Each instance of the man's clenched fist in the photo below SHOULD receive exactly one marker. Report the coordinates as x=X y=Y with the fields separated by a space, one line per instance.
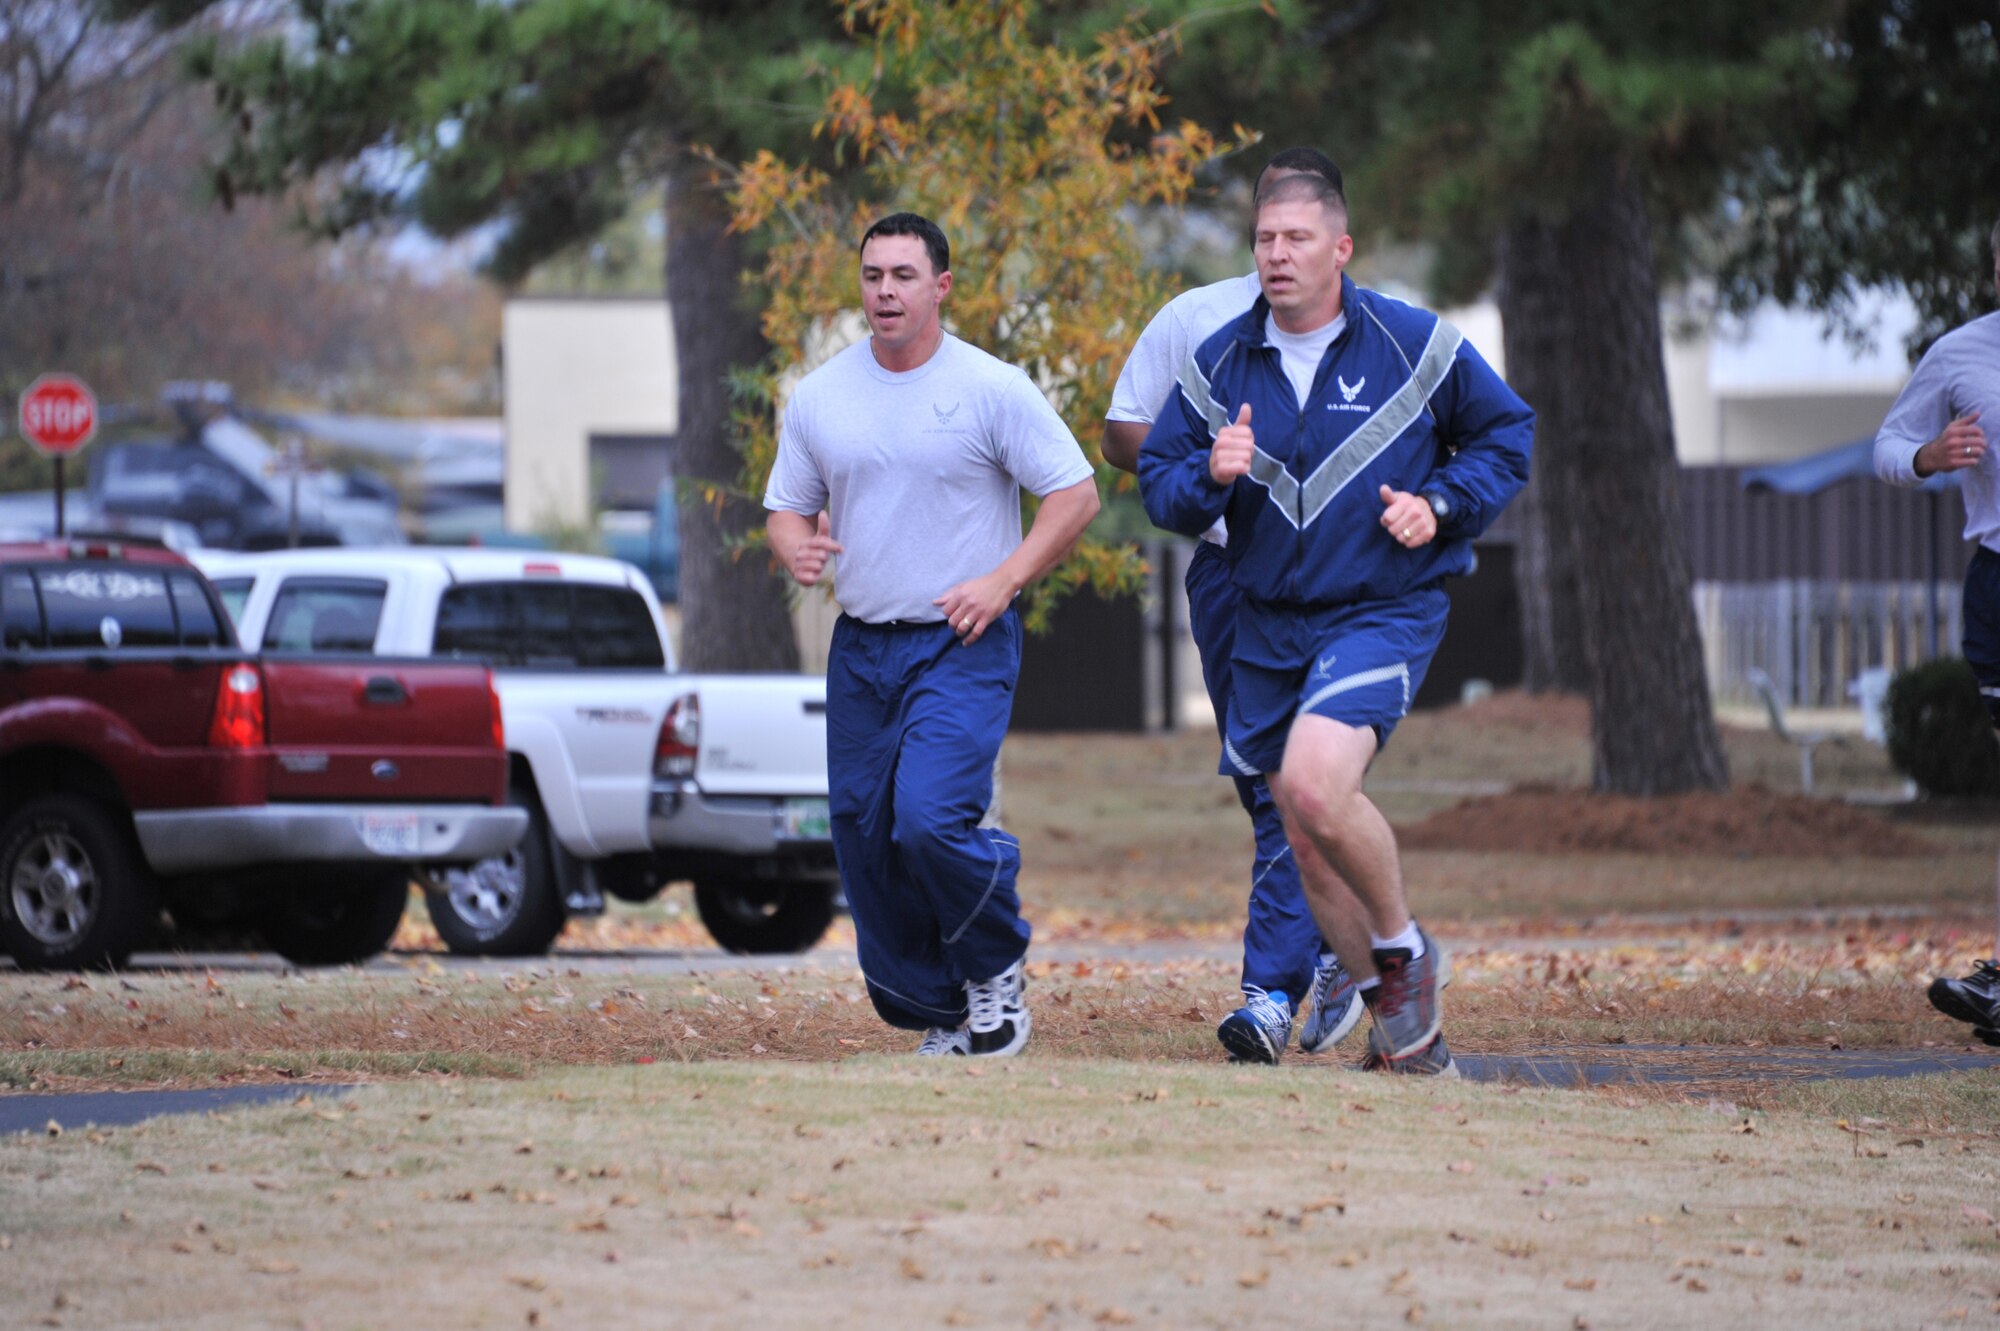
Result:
x=1229 y=455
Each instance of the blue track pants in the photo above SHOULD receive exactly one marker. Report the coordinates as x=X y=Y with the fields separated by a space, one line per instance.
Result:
x=1281 y=942
x=914 y=722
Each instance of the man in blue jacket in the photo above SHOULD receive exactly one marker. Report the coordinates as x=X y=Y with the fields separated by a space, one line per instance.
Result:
x=1356 y=445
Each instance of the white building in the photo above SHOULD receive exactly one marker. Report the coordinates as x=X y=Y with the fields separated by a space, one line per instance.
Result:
x=591 y=404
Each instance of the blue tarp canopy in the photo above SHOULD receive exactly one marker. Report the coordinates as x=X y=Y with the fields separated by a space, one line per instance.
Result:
x=1815 y=472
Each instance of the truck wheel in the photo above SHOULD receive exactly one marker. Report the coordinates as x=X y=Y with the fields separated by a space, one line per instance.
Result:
x=336 y=923
x=507 y=906
x=749 y=916
x=75 y=893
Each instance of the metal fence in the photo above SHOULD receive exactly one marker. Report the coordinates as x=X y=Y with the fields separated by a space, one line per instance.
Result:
x=1815 y=638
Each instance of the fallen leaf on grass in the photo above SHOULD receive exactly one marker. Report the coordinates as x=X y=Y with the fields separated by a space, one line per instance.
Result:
x=536 y=1283
x=1415 y=1315
x=1114 y=1316
x=268 y=1185
x=1253 y=1279
x=1515 y=1247
x=277 y=1266
x=1460 y=1167
x=1582 y=1284
x=1978 y=1215
x=149 y=1167
x=911 y=1269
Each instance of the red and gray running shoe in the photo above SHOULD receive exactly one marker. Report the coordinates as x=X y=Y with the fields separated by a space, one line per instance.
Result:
x=1407 y=1004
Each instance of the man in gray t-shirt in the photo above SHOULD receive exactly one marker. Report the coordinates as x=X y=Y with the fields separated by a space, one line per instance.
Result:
x=918 y=445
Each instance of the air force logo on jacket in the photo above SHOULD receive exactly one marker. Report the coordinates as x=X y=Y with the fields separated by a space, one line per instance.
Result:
x=1400 y=399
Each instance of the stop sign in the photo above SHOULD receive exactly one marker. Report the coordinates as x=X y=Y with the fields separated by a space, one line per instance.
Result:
x=58 y=414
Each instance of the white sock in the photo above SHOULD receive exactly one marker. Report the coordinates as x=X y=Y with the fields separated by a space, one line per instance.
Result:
x=1409 y=940
x=1372 y=982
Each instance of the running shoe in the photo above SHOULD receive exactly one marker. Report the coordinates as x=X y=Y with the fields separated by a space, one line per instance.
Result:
x=1407 y=1003
x=1258 y=1031
x=998 y=1025
x=944 y=1041
x=1433 y=1060
x=1336 y=1008
x=1976 y=998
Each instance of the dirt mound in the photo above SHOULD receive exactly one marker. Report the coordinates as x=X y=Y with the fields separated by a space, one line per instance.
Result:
x=1747 y=821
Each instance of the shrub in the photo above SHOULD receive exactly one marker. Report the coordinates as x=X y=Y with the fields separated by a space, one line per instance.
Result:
x=1940 y=735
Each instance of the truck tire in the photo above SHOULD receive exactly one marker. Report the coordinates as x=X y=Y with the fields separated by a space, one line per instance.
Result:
x=75 y=892
x=507 y=906
x=336 y=923
x=765 y=917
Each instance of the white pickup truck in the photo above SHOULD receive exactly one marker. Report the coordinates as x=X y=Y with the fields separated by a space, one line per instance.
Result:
x=634 y=775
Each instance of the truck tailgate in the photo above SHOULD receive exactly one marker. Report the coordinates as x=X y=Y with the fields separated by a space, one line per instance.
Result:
x=374 y=729
x=761 y=734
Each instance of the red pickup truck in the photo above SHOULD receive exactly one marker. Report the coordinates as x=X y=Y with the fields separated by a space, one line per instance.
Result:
x=146 y=762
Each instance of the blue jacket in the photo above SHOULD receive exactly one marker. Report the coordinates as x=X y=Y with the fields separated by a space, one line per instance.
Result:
x=1400 y=399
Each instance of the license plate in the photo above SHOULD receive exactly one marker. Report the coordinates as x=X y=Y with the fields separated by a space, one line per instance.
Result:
x=807 y=820
x=390 y=835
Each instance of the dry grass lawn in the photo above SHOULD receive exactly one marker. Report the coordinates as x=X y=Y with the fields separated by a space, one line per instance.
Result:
x=554 y=1147
x=1042 y=1192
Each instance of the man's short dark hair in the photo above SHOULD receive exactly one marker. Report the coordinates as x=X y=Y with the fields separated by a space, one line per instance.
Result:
x=1309 y=161
x=1305 y=189
x=911 y=224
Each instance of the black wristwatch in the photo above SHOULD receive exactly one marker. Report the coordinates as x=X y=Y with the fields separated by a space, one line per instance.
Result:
x=1440 y=503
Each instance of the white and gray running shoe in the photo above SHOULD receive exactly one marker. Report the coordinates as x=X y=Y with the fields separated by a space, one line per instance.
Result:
x=1336 y=1008
x=943 y=1041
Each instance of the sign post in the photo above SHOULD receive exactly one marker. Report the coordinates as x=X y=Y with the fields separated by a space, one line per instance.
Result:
x=58 y=416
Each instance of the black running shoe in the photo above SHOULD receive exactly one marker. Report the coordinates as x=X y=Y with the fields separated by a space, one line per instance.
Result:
x=1975 y=999
x=998 y=1024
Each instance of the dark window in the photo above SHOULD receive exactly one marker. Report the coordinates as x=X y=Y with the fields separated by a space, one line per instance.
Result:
x=20 y=609
x=615 y=631
x=235 y=592
x=97 y=606
x=199 y=626
x=325 y=615
x=548 y=625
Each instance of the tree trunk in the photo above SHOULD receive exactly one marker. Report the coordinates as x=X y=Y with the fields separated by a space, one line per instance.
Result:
x=735 y=607
x=1551 y=605
x=1582 y=311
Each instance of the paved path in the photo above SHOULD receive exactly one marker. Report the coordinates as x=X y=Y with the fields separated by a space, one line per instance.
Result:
x=105 y=1109
x=1605 y=1065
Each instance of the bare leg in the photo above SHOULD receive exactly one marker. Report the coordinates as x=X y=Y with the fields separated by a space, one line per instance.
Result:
x=1319 y=792
x=1342 y=919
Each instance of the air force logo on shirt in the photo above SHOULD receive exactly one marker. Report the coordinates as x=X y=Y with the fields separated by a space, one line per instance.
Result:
x=1348 y=392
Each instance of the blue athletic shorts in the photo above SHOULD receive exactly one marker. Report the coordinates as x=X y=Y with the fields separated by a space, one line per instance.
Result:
x=1358 y=664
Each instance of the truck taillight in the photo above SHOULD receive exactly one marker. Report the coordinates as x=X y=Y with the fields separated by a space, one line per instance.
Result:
x=680 y=739
x=239 y=710
x=499 y=726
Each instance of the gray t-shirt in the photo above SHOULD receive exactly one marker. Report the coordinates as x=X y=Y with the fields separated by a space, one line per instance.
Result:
x=1154 y=367
x=922 y=471
x=1960 y=374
